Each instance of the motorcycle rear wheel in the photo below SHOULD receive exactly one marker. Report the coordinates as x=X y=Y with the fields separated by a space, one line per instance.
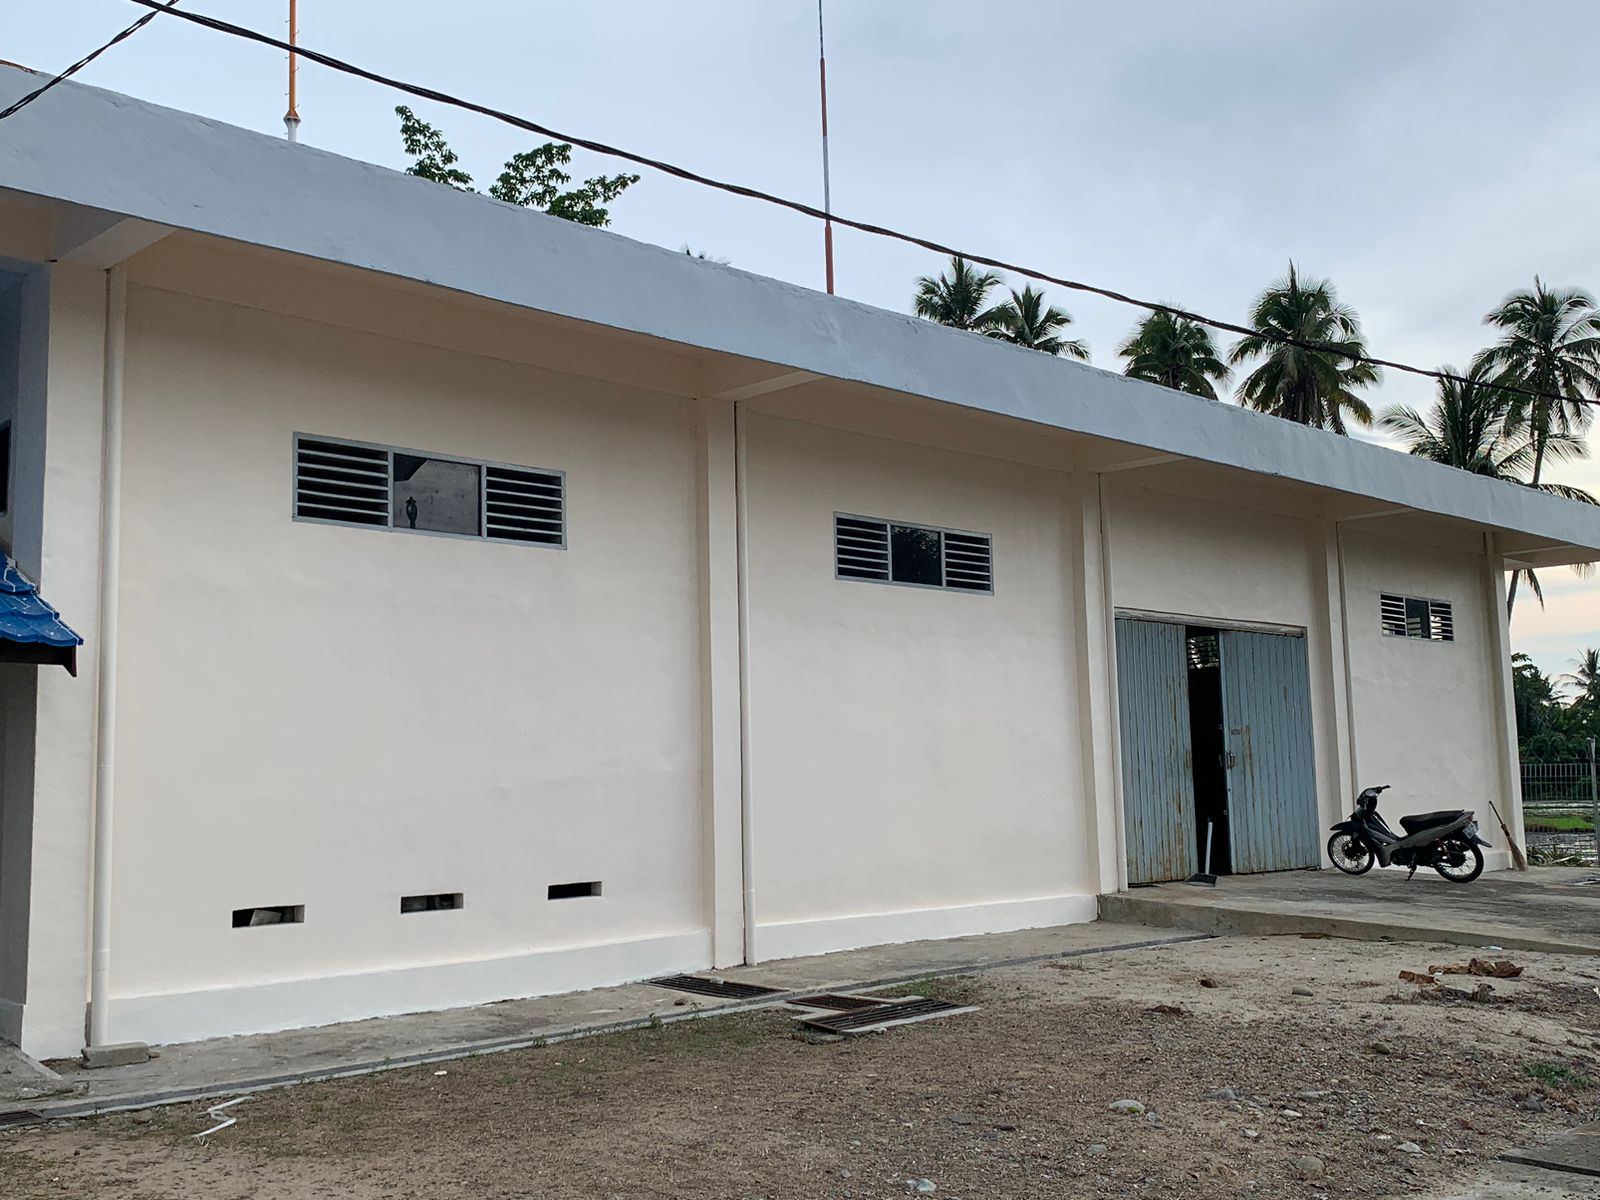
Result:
x=1467 y=871
x=1350 y=854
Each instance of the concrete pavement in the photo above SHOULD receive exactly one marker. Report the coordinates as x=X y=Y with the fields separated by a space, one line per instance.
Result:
x=1550 y=909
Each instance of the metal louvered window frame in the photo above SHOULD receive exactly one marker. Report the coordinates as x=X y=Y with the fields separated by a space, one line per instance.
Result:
x=888 y=524
x=1393 y=619
x=485 y=467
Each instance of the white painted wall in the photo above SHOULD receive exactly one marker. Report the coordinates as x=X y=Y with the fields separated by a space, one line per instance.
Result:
x=1201 y=558
x=334 y=717
x=913 y=752
x=1425 y=713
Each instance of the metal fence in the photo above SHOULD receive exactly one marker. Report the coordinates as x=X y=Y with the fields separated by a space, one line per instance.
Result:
x=1561 y=809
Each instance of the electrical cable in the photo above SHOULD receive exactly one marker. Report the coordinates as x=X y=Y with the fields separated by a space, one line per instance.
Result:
x=445 y=98
x=83 y=62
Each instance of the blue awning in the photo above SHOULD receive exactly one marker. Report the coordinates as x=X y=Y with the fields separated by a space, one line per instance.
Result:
x=30 y=629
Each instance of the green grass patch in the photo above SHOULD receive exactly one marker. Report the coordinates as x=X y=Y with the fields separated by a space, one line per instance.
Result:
x=1560 y=823
x=1559 y=1076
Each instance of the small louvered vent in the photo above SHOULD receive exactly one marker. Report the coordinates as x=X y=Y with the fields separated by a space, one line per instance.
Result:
x=967 y=562
x=334 y=481
x=1441 y=621
x=861 y=548
x=1204 y=651
x=525 y=506
x=1412 y=617
x=1393 y=610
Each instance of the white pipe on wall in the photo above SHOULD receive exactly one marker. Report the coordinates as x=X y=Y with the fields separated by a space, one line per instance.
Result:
x=106 y=659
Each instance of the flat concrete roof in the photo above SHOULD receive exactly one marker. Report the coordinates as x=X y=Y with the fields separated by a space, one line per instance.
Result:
x=109 y=152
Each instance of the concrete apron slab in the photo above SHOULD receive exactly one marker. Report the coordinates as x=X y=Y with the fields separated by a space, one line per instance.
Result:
x=241 y=1065
x=25 y=1081
x=1548 y=909
x=1569 y=1166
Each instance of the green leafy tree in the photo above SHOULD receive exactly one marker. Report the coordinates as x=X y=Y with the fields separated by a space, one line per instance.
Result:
x=533 y=179
x=1176 y=353
x=1314 y=383
x=959 y=297
x=1025 y=320
x=434 y=158
x=1549 y=727
x=1471 y=427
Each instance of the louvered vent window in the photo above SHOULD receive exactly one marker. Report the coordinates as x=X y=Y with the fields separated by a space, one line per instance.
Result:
x=1413 y=617
x=525 y=506
x=879 y=551
x=352 y=483
x=1204 y=651
x=336 y=482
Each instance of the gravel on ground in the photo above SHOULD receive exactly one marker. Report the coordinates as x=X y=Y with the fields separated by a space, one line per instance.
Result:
x=1267 y=1067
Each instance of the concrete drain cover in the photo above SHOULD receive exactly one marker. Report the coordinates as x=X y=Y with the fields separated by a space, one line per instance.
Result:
x=884 y=1016
x=721 y=989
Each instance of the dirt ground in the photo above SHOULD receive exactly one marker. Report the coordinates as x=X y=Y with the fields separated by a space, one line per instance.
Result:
x=1010 y=1101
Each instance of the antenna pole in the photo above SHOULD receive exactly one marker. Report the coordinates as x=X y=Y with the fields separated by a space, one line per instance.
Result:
x=827 y=188
x=291 y=119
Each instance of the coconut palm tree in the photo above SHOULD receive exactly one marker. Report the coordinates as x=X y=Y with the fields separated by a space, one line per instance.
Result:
x=1313 y=382
x=959 y=297
x=1024 y=320
x=1551 y=344
x=1175 y=352
x=1470 y=427
x=1586 y=675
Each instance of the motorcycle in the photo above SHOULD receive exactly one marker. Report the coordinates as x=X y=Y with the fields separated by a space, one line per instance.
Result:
x=1447 y=841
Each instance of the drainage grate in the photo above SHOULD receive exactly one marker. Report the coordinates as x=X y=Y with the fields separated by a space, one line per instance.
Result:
x=719 y=988
x=867 y=1020
x=836 y=1002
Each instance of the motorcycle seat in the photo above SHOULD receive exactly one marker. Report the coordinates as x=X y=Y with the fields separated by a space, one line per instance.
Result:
x=1420 y=821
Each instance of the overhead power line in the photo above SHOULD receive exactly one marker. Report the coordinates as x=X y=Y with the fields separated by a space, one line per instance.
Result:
x=737 y=189
x=83 y=62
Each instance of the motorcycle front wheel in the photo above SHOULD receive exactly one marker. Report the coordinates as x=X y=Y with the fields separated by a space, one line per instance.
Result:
x=1465 y=872
x=1350 y=854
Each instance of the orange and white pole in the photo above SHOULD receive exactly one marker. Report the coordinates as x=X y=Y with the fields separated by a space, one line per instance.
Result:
x=291 y=119
x=827 y=189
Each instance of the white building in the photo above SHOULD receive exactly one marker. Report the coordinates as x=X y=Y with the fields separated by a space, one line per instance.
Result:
x=642 y=700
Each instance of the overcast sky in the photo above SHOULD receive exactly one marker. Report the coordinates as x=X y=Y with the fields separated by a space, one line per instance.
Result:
x=1428 y=156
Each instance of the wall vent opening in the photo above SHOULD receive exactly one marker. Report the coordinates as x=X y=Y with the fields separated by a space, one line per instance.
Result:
x=334 y=481
x=354 y=483
x=269 y=914
x=435 y=902
x=574 y=891
x=879 y=551
x=1414 y=617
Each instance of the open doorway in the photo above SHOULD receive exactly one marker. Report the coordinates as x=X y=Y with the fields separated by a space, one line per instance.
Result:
x=1216 y=740
x=1209 y=742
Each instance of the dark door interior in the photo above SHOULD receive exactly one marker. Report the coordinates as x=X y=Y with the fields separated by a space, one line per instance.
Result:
x=1209 y=738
